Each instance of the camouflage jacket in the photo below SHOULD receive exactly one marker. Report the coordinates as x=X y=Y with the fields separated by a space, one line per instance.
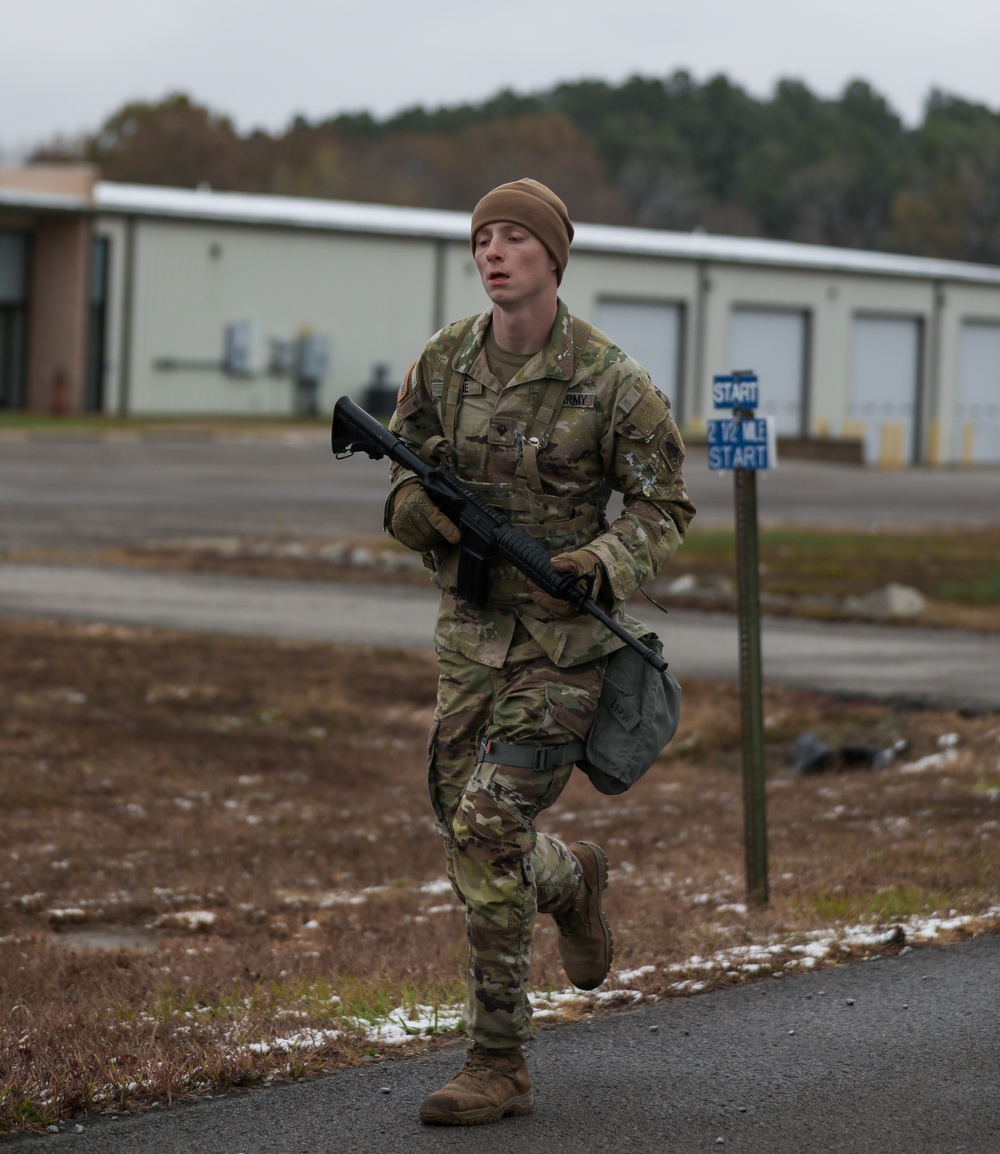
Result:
x=578 y=422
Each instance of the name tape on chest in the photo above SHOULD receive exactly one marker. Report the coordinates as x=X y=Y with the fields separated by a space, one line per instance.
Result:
x=578 y=401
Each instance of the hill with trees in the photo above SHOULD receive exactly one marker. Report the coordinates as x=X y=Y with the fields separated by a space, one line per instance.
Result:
x=667 y=153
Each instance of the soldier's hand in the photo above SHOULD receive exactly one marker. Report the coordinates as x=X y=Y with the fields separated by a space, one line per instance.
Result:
x=580 y=563
x=418 y=523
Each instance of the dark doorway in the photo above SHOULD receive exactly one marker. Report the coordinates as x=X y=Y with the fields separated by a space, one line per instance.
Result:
x=13 y=316
x=97 y=325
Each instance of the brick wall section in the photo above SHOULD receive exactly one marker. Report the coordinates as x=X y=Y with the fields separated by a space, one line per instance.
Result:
x=58 y=303
x=76 y=180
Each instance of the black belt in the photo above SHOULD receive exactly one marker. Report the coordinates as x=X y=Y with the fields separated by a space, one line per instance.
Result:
x=531 y=756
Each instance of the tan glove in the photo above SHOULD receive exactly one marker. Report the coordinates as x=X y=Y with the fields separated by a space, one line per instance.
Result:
x=418 y=523
x=580 y=562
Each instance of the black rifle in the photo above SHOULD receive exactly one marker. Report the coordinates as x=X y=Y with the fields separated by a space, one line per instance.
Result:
x=485 y=531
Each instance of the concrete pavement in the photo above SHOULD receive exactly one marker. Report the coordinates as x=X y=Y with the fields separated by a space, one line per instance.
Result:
x=918 y=666
x=73 y=492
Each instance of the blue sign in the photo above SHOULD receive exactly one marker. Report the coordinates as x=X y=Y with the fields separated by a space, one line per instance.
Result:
x=735 y=391
x=742 y=444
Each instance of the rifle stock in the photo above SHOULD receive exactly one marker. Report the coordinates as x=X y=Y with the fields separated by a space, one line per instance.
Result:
x=485 y=531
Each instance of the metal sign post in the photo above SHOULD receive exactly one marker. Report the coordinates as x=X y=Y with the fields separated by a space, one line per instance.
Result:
x=745 y=443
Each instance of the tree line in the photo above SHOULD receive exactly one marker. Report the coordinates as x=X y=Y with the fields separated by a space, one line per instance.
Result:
x=666 y=153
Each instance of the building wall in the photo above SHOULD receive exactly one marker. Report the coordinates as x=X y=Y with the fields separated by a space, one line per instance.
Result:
x=370 y=296
x=957 y=306
x=176 y=284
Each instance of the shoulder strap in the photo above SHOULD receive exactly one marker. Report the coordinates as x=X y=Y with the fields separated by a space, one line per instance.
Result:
x=547 y=412
x=453 y=392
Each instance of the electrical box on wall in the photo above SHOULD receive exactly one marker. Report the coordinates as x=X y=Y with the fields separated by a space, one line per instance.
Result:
x=312 y=357
x=245 y=352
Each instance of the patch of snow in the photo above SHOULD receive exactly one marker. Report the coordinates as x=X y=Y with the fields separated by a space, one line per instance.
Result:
x=631 y=975
x=931 y=761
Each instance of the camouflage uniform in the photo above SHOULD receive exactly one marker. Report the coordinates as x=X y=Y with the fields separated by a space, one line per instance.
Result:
x=579 y=420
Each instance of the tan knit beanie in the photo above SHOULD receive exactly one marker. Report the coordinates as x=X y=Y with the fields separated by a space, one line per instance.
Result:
x=537 y=208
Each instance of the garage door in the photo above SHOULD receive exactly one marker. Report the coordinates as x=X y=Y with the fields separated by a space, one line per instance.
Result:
x=977 y=414
x=650 y=332
x=773 y=344
x=885 y=379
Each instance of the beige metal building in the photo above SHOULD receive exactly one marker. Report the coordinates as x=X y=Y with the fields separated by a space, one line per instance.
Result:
x=138 y=300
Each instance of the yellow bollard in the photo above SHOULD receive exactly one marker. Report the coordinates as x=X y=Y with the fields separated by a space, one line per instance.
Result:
x=968 y=443
x=891 y=440
x=934 y=442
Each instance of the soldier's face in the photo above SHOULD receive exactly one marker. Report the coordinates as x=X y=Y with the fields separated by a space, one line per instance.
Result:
x=515 y=267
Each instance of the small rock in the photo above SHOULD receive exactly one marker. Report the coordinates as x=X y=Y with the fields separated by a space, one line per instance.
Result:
x=850 y=1001
x=654 y=1029
x=386 y=1090
x=686 y=583
x=52 y=1129
x=892 y=600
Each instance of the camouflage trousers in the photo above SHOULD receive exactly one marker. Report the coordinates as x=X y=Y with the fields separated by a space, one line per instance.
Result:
x=504 y=870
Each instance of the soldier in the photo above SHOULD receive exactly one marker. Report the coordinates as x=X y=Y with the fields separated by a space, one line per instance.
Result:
x=543 y=417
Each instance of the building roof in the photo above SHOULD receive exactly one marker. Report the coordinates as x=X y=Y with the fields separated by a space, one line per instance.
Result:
x=391 y=220
x=39 y=200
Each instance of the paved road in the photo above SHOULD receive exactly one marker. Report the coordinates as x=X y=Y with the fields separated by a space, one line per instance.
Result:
x=906 y=665
x=71 y=492
x=899 y=1056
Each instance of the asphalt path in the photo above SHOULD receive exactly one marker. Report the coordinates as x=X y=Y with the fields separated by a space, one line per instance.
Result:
x=909 y=666
x=895 y=1056
x=76 y=492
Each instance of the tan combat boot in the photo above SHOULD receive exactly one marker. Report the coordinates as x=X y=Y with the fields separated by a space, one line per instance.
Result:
x=585 y=944
x=492 y=1083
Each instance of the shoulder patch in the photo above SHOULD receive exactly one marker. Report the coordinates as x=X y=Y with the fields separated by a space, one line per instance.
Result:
x=404 y=388
x=671 y=451
x=644 y=416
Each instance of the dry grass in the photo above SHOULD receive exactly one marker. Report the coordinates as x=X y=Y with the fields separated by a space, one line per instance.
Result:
x=241 y=827
x=804 y=573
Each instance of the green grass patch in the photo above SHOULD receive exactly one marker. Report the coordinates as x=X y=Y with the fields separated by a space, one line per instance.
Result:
x=375 y=1002
x=888 y=905
x=960 y=567
x=976 y=591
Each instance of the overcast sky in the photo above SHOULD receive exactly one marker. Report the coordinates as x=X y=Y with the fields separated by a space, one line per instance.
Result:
x=65 y=65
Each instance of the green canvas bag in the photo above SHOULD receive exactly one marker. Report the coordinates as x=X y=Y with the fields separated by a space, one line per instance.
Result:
x=636 y=717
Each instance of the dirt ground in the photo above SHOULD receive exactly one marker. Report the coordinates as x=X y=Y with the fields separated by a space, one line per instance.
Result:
x=219 y=865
